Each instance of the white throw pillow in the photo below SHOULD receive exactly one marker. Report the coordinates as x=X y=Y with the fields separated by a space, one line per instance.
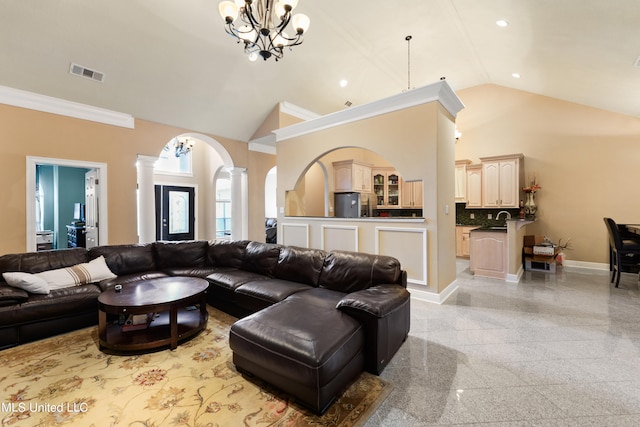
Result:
x=26 y=281
x=80 y=274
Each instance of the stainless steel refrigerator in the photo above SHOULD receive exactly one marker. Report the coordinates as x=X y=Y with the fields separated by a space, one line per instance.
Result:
x=347 y=205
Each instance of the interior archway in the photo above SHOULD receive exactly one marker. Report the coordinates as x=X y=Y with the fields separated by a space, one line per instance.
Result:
x=209 y=157
x=315 y=191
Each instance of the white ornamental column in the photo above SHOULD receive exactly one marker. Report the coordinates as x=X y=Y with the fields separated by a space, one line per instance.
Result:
x=239 y=213
x=146 y=199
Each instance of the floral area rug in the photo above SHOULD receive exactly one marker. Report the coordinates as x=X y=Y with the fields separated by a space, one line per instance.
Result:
x=67 y=380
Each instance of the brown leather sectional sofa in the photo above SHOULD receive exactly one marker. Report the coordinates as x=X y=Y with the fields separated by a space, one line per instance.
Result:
x=310 y=321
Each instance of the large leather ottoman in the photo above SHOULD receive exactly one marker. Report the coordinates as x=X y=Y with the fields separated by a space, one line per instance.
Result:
x=310 y=351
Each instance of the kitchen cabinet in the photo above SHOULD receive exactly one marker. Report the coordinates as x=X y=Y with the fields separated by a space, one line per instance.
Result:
x=502 y=179
x=352 y=175
x=411 y=195
x=386 y=187
x=463 y=240
x=461 y=180
x=489 y=254
x=474 y=186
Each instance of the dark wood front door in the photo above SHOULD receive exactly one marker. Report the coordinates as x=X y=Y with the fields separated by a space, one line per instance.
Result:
x=175 y=216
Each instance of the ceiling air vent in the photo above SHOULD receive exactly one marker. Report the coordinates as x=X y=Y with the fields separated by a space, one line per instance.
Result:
x=87 y=73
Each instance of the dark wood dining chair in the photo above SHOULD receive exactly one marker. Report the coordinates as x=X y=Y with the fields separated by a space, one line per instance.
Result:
x=624 y=252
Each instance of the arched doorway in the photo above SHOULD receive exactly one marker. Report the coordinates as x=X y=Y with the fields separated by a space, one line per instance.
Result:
x=209 y=157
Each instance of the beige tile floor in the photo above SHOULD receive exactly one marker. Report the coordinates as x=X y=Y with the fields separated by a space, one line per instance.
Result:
x=553 y=350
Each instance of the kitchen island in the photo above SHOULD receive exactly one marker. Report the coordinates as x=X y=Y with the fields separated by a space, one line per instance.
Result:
x=496 y=251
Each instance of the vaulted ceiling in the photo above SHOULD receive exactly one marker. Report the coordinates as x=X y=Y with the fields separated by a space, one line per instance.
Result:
x=170 y=61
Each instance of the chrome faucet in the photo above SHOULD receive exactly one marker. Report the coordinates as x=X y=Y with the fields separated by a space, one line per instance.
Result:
x=501 y=212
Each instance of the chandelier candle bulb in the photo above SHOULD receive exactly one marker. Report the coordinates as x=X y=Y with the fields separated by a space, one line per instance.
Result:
x=301 y=23
x=228 y=11
x=291 y=3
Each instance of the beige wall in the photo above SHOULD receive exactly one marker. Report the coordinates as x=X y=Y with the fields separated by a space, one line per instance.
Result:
x=258 y=167
x=386 y=135
x=26 y=132
x=418 y=142
x=271 y=122
x=276 y=119
x=314 y=189
x=586 y=160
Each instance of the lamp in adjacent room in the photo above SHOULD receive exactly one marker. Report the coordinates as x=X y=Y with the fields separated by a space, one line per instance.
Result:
x=260 y=25
x=458 y=134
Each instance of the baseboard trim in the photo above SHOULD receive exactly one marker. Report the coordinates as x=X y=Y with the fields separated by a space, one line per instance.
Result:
x=584 y=265
x=432 y=297
x=515 y=278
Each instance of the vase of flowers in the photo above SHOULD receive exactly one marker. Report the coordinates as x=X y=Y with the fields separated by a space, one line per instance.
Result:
x=530 y=207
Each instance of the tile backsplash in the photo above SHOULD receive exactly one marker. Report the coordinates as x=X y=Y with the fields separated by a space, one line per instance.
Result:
x=464 y=216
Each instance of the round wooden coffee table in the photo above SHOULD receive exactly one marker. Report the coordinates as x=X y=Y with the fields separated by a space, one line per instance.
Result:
x=152 y=313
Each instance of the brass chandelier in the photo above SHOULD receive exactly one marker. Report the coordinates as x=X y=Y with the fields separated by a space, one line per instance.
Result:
x=260 y=25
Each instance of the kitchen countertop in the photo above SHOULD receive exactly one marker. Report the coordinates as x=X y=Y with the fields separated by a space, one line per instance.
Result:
x=361 y=219
x=496 y=227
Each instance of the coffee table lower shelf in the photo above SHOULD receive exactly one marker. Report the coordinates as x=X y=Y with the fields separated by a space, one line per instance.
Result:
x=156 y=334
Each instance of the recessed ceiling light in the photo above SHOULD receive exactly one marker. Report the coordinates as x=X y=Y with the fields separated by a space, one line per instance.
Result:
x=515 y=75
x=502 y=23
x=343 y=83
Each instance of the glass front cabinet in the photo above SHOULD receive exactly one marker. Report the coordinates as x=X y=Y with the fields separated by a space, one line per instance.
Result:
x=386 y=186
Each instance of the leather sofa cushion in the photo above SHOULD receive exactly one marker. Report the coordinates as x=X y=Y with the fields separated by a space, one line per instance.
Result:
x=231 y=278
x=319 y=297
x=41 y=307
x=10 y=295
x=354 y=271
x=261 y=258
x=126 y=259
x=300 y=265
x=379 y=301
x=181 y=254
x=224 y=253
x=271 y=290
x=306 y=344
x=130 y=278
x=36 y=262
x=202 y=272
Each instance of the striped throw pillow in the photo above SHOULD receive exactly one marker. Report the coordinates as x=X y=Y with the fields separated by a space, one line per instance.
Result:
x=79 y=274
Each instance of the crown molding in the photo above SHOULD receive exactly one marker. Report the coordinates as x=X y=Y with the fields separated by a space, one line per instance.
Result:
x=49 y=104
x=440 y=91
x=296 y=111
x=265 y=144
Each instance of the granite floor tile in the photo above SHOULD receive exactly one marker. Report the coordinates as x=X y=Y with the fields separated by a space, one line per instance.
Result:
x=509 y=404
x=553 y=350
x=585 y=421
x=583 y=399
